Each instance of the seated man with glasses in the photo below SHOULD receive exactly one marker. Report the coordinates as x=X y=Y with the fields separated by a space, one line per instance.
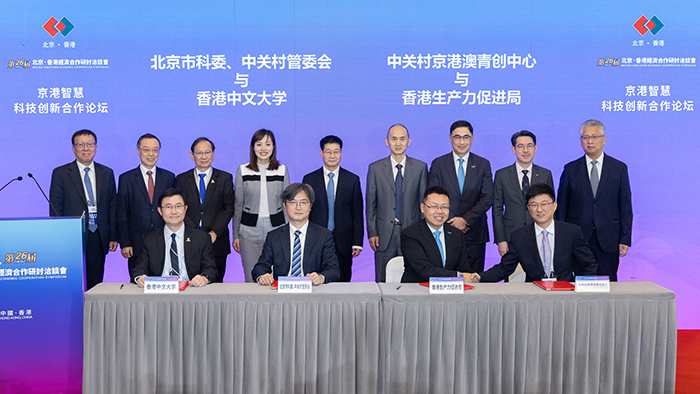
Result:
x=432 y=247
x=546 y=249
x=176 y=249
x=299 y=248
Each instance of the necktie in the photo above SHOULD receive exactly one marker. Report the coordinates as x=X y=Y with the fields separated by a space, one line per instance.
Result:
x=546 y=253
x=399 y=193
x=442 y=251
x=526 y=182
x=174 y=262
x=151 y=186
x=202 y=188
x=330 y=192
x=460 y=174
x=594 y=177
x=92 y=224
x=296 y=255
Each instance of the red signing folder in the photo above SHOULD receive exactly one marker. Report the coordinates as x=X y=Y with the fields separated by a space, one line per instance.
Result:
x=555 y=285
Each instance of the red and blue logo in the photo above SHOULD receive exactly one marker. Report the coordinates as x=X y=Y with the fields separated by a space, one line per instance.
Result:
x=53 y=26
x=644 y=25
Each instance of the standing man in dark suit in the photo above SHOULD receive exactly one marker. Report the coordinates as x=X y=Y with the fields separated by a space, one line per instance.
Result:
x=339 y=204
x=467 y=179
x=299 y=248
x=189 y=255
x=594 y=193
x=432 y=247
x=509 y=186
x=209 y=194
x=85 y=187
x=395 y=187
x=137 y=200
x=546 y=249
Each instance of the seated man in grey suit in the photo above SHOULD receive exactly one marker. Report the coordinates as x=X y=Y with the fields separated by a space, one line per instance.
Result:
x=547 y=248
x=299 y=248
x=431 y=247
x=189 y=256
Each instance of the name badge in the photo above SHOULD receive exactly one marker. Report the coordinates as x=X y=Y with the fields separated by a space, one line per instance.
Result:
x=294 y=284
x=593 y=284
x=450 y=285
x=92 y=214
x=161 y=284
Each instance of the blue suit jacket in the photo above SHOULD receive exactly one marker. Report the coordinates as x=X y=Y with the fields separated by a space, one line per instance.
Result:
x=67 y=196
x=319 y=254
x=610 y=210
x=475 y=200
x=349 y=226
x=136 y=214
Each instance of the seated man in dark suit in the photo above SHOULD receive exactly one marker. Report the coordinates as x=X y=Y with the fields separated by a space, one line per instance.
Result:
x=309 y=251
x=195 y=264
x=431 y=247
x=547 y=248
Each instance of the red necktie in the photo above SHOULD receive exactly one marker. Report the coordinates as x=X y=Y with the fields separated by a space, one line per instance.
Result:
x=151 y=187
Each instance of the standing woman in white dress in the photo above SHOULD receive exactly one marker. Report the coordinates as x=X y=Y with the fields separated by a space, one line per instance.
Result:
x=258 y=208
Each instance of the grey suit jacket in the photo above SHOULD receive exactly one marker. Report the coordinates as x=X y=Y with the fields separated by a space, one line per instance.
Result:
x=507 y=194
x=381 y=197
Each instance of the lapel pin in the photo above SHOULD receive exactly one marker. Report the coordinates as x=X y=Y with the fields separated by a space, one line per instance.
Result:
x=212 y=181
x=188 y=240
x=474 y=166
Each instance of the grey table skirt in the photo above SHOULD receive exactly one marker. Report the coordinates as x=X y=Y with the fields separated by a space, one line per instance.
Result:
x=369 y=338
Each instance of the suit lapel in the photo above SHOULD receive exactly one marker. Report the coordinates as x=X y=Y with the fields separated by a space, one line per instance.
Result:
x=211 y=186
x=452 y=248
x=604 y=175
x=160 y=251
x=74 y=173
x=388 y=173
x=513 y=179
x=191 y=185
x=99 y=177
x=429 y=239
x=471 y=171
x=583 y=172
x=452 y=173
x=317 y=177
x=140 y=186
x=189 y=253
x=531 y=243
x=536 y=172
x=286 y=235
x=159 y=186
x=311 y=234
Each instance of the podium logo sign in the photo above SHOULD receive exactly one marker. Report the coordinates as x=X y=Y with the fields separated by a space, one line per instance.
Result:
x=644 y=25
x=53 y=26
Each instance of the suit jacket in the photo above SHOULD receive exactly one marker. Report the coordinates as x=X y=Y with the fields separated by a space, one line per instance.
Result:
x=136 y=214
x=349 y=226
x=217 y=210
x=421 y=255
x=507 y=192
x=67 y=196
x=572 y=256
x=381 y=197
x=609 y=211
x=475 y=200
x=199 y=259
x=319 y=254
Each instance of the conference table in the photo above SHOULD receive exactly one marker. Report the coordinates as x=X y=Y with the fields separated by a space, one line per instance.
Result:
x=231 y=338
x=380 y=338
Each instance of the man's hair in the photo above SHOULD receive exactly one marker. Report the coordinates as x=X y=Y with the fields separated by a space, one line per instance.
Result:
x=523 y=133
x=538 y=189
x=258 y=136
x=149 y=135
x=331 y=139
x=171 y=192
x=435 y=190
x=82 y=132
x=408 y=135
x=292 y=190
x=594 y=123
x=461 y=123
x=198 y=140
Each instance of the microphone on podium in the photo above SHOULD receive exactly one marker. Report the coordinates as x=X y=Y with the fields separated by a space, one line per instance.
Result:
x=42 y=192
x=19 y=178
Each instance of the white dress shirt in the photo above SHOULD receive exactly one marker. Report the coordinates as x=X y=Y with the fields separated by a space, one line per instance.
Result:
x=179 y=236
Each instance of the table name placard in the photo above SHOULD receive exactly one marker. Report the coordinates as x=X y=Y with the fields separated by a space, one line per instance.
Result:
x=593 y=284
x=161 y=284
x=294 y=284
x=447 y=285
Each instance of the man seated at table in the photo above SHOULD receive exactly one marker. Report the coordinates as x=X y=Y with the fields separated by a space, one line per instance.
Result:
x=299 y=248
x=432 y=247
x=547 y=248
x=196 y=264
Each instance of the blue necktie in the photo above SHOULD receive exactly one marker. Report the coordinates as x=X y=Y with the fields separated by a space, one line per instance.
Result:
x=330 y=191
x=202 y=188
x=442 y=252
x=92 y=219
x=460 y=174
x=296 y=255
x=595 y=179
x=174 y=262
x=399 y=193
x=546 y=254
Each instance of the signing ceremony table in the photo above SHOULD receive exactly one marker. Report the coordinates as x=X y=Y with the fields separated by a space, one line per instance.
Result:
x=231 y=338
x=518 y=338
